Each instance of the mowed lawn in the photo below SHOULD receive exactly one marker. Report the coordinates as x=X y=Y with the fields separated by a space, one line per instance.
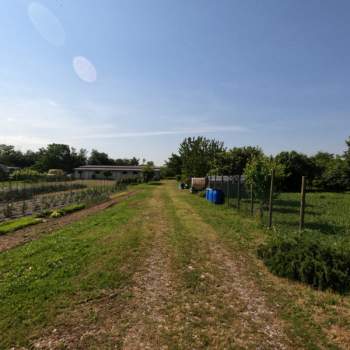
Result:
x=162 y=269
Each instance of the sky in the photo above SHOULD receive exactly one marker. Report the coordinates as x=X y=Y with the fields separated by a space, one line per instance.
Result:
x=135 y=77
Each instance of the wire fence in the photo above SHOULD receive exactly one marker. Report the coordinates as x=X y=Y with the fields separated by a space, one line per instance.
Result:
x=326 y=212
x=22 y=199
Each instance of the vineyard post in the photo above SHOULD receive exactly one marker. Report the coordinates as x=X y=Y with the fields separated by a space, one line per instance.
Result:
x=302 y=204
x=228 y=191
x=271 y=198
x=239 y=192
x=251 y=200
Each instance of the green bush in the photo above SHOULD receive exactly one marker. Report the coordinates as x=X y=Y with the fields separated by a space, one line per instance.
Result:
x=311 y=257
x=27 y=174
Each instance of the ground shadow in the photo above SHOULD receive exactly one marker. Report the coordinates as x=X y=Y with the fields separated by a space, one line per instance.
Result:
x=293 y=203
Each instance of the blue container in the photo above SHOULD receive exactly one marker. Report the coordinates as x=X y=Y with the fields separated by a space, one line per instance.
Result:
x=207 y=194
x=211 y=195
x=217 y=196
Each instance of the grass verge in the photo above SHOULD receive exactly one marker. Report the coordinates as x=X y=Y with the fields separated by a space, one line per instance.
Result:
x=16 y=224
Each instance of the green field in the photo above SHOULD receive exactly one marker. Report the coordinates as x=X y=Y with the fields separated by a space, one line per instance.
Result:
x=327 y=213
x=163 y=269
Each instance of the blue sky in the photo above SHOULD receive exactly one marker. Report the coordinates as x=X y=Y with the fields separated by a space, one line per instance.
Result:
x=268 y=73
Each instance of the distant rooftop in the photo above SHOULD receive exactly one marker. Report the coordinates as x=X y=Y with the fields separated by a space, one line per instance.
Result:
x=113 y=167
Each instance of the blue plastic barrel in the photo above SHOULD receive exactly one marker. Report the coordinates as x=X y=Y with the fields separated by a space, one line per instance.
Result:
x=217 y=196
x=210 y=195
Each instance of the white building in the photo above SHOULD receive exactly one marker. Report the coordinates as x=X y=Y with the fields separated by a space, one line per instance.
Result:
x=112 y=172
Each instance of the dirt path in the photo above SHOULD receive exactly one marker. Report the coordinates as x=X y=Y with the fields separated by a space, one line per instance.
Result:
x=31 y=233
x=154 y=290
x=239 y=314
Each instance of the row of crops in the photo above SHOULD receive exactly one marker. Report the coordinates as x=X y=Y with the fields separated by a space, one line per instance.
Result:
x=38 y=199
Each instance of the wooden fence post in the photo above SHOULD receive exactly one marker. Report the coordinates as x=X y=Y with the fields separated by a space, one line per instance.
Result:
x=251 y=200
x=227 y=192
x=271 y=199
x=302 y=204
x=239 y=192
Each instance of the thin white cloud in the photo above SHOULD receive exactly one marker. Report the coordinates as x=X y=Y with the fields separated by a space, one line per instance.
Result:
x=201 y=130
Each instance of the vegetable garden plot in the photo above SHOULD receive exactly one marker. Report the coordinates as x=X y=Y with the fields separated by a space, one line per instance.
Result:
x=42 y=203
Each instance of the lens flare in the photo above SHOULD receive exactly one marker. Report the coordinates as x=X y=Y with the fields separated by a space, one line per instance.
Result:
x=47 y=24
x=84 y=69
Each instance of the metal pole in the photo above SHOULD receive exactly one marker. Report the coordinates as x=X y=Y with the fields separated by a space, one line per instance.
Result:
x=302 y=204
x=271 y=198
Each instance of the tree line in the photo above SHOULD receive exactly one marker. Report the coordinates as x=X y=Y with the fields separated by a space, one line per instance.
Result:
x=200 y=156
x=58 y=156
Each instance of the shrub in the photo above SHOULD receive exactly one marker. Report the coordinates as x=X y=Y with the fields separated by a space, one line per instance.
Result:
x=27 y=174
x=319 y=260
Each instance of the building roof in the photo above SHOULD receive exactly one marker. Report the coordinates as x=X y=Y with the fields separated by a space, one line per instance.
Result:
x=113 y=167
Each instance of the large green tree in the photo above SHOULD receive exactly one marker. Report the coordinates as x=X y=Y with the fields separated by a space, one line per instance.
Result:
x=60 y=156
x=173 y=166
x=296 y=165
x=199 y=155
x=236 y=159
x=100 y=158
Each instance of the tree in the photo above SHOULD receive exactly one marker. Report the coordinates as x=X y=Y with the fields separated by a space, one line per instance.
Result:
x=347 y=157
x=173 y=166
x=296 y=165
x=258 y=173
x=59 y=156
x=148 y=172
x=199 y=155
x=335 y=176
x=99 y=158
x=236 y=159
x=126 y=161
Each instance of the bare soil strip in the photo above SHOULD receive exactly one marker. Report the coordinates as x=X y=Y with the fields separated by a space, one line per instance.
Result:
x=154 y=290
x=31 y=233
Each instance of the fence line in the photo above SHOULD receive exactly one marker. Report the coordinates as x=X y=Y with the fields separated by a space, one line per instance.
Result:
x=237 y=193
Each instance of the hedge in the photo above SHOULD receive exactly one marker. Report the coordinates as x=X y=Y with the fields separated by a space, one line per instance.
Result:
x=311 y=257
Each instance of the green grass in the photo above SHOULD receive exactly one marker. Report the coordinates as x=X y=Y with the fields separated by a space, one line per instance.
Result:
x=243 y=234
x=16 y=224
x=72 y=208
x=328 y=213
x=49 y=277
